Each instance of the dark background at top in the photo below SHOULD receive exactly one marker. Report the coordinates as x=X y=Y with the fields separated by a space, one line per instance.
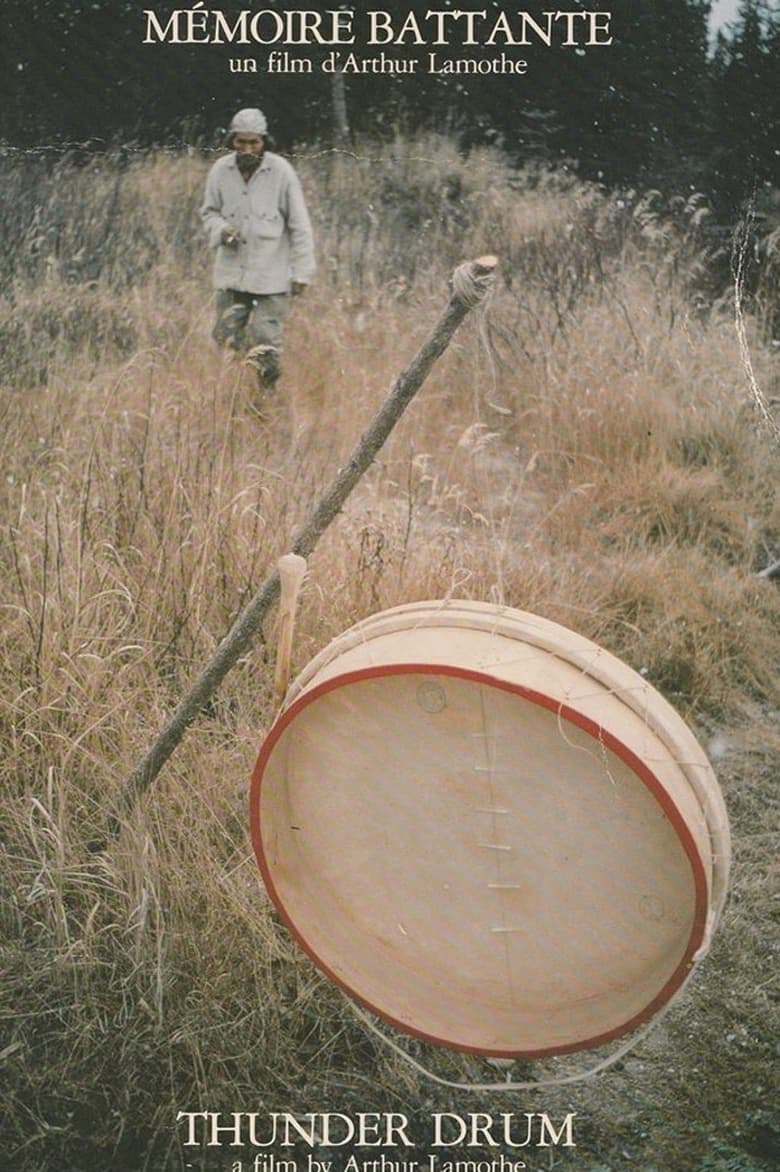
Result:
x=660 y=107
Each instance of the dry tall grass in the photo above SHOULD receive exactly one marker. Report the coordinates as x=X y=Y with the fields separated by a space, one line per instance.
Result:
x=587 y=449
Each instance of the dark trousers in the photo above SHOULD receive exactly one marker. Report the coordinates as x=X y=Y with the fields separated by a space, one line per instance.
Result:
x=245 y=320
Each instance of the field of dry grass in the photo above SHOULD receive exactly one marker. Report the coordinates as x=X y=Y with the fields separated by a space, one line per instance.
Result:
x=589 y=448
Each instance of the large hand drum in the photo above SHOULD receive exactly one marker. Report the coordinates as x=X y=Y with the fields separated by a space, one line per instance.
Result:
x=489 y=830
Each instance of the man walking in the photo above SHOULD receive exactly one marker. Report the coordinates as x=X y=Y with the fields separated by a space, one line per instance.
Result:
x=256 y=219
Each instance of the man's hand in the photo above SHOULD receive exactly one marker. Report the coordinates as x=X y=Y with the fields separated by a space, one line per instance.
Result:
x=298 y=287
x=229 y=237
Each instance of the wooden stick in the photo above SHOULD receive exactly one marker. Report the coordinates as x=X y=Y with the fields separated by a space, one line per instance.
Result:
x=470 y=283
x=292 y=567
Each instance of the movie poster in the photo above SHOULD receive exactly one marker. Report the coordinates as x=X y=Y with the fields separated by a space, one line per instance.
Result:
x=476 y=308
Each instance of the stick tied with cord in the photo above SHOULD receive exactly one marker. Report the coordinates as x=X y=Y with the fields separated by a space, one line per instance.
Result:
x=470 y=284
x=292 y=568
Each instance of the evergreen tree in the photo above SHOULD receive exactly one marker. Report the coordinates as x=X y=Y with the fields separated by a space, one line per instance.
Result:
x=746 y=103
x=639 y=113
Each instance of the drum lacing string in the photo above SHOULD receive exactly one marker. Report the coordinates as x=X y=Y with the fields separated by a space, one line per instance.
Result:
x=476 y=290
x=508 y=1084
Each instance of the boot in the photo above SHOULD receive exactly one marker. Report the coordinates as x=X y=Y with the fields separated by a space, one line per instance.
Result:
x=264 y=360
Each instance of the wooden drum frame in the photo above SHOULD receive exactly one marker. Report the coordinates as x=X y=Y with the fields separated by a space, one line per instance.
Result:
x=490 y=831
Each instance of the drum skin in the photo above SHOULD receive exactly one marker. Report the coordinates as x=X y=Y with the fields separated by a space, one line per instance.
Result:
x=490 y=831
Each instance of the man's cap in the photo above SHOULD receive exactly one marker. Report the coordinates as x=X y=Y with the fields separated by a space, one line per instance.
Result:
x=249 y=121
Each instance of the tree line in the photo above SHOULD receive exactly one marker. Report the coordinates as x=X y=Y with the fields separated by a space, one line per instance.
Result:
x=662 y=106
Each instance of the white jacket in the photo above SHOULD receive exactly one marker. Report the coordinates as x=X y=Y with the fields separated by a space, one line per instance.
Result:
x=269 y=214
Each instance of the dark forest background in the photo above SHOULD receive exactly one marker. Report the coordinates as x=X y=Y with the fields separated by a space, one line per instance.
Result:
x=664 y=106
